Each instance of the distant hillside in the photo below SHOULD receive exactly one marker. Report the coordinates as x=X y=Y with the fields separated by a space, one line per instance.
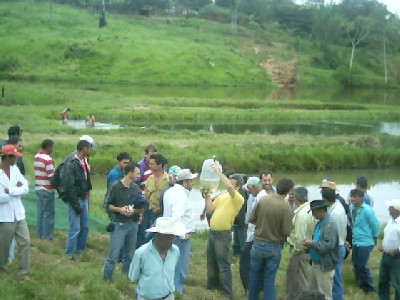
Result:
x=154 y=50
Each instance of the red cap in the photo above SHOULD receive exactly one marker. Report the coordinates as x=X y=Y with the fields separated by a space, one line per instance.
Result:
x=10 y=150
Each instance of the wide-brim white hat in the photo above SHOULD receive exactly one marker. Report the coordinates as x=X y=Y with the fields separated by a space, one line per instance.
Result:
x=167 y=225
x=394 y=203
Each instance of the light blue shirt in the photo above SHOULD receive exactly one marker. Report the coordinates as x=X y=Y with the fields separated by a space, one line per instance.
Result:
x=154 y=276
x=314 y=255
x=114 y=175
x=365 y=226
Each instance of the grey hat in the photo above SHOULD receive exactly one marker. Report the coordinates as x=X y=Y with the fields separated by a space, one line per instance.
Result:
x=185 y=174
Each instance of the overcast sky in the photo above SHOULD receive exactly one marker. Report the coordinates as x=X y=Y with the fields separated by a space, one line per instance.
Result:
x=392 y=5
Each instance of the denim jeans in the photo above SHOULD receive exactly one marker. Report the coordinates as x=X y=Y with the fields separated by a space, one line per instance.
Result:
x=123 y=237
x=244 y=265
x=265 y=259
x=182 y=265
x=219 y=274
x=337 y=288
x=45 y=214
x=78 y=229
x=239 y=239
x=360 y=256
x=389 y=275
x=148 y=220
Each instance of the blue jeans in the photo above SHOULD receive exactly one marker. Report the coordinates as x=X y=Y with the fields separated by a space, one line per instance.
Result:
x=239 y=239
x=182 y=265
x=337 y=287
x=265 y=259
x=123 y=237
x=359 y=257
x=389 y=274
x=219 y=274
x=78 y=229
x=45 y=214
x=148 y=220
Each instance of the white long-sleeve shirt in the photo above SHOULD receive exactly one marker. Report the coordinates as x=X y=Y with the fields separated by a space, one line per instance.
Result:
x=251 y=204
x=391 y=235
x=177 y=205
x=11 y=207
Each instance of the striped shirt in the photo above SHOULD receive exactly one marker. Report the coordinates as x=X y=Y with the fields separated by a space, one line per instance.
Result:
x=44 y=170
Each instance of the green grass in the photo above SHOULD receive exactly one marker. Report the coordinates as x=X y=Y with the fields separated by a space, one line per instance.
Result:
x=36 y=106
x=53 y=277
x=130 y=49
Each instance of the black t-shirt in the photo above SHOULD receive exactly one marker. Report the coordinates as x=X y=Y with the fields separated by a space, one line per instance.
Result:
x=121 y=196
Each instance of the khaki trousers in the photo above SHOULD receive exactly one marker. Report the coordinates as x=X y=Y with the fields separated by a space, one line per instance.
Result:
x=321 y=281
x=297 y=274
x=19 y=230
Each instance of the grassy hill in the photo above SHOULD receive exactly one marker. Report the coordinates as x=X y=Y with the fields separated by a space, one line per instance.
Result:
x=151 y=51
x=133 y=49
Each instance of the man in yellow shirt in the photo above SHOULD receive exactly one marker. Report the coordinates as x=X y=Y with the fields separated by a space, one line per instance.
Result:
x=224 y=208
x=155 y=184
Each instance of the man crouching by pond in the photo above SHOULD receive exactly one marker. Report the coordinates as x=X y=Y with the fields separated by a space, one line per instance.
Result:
x=153 y=265
x=225 y=209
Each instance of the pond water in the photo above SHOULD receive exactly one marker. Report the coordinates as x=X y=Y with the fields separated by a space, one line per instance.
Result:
x=325 y=129
x=326 y=94
x=384 y=185
x=97 y=125
x=370 y=96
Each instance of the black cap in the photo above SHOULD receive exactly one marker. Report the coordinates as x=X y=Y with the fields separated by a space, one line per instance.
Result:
x=316 y=204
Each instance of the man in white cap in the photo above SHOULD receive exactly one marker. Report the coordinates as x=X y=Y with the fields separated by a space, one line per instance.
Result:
x=389 y=271
x=172 y=173
x=153 y=265
x=177 y=205
x=12 y=213
x=254 y=186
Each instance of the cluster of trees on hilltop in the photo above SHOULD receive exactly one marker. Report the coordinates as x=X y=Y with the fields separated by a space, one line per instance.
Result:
x=353 y=24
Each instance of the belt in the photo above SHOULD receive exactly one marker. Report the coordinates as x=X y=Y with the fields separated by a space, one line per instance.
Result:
x=165 y=297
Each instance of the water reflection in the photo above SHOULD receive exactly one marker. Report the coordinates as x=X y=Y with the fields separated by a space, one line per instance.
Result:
x=326 y=129
x=97 y=125
x=382 y=188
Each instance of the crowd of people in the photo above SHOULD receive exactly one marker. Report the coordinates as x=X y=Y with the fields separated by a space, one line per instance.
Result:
x=152 y=222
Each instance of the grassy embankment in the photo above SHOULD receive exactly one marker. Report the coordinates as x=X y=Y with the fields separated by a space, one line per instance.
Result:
x=36 y=107
x=160 y=50
x=53 y=277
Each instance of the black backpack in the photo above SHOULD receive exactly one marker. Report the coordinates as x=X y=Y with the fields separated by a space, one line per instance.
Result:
x=57 y=179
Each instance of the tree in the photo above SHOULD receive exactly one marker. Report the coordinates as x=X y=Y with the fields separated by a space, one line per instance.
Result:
x=102 y=17
x=356 y=31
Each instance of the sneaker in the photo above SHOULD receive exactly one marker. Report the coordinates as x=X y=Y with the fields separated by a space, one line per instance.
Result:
x=71 y=258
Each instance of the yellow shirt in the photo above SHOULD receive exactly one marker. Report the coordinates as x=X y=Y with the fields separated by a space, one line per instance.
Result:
x=226 y=210
x=152 y=190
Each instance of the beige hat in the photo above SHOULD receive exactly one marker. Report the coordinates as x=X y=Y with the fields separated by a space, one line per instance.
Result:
x=167 y=225
x=329 y=184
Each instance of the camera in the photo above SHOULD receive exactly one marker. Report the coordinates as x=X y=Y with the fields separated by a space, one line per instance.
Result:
x=110 y=227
